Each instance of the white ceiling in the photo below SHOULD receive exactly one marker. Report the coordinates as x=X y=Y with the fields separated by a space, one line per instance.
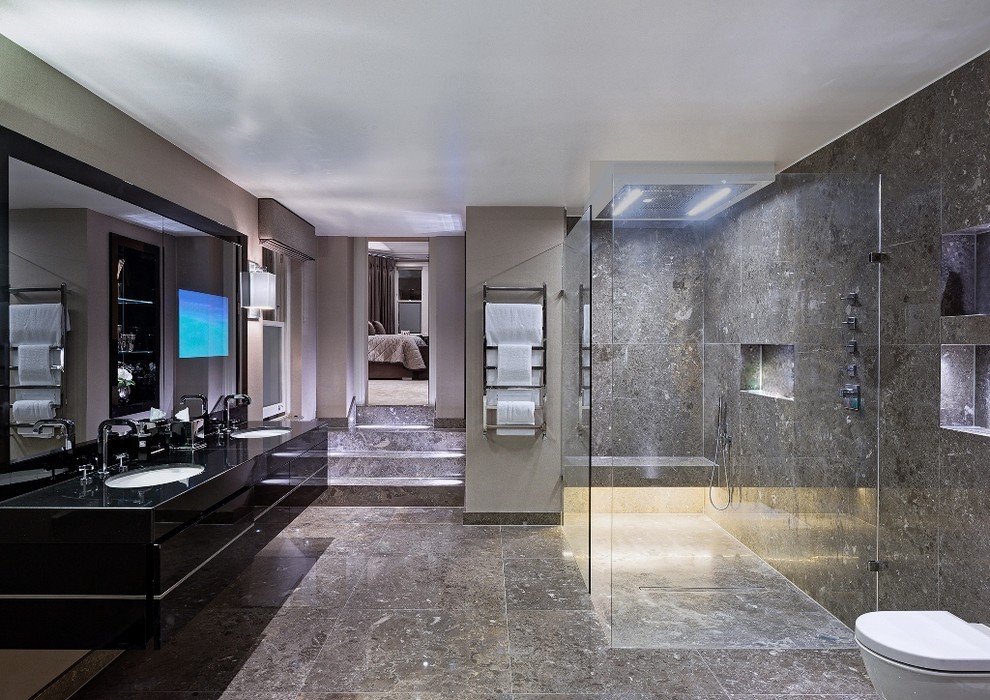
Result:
x=387 y=118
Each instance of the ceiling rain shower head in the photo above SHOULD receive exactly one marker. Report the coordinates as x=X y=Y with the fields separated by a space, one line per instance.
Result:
x=673 y=191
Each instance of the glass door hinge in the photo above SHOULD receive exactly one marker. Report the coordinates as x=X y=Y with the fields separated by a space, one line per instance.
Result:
x=875 y=565
x=878 y=257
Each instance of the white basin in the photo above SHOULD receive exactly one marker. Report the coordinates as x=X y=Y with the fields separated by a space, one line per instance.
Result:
x=260 y=433
x=154 y=476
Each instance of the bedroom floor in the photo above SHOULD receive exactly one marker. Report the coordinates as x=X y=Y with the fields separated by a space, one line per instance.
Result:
x=398 y=392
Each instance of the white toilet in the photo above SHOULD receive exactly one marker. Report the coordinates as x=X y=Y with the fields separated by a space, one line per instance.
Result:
x=925 y=655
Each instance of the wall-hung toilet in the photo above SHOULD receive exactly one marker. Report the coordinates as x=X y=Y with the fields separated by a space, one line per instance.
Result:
x=925 y=655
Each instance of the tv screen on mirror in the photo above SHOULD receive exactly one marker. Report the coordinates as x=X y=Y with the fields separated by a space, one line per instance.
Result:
x=203 y=324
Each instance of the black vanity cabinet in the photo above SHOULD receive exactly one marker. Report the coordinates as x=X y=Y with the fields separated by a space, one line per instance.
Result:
x=135 y=325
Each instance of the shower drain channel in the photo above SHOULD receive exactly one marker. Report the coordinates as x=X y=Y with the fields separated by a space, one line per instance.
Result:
x=688 y=589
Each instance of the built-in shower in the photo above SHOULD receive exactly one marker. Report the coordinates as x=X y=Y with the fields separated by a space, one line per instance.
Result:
x=723 y=452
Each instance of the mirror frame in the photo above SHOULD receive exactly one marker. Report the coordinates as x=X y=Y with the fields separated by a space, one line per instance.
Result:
x=15 y=145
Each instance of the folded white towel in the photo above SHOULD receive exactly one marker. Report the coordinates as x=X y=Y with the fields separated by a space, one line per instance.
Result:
x=32 y=410
x=34 y=365
x=514 y=365
x=37 y=324
x=514 y=324
x=515 y=413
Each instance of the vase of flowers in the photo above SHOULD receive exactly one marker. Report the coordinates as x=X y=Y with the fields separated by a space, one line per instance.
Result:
x=125 y=380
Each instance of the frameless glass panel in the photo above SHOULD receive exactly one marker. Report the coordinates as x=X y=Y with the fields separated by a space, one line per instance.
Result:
x=739 y=420
x=576 y=393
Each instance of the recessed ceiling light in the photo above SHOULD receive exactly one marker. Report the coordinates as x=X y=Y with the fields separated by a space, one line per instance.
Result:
x=627 y=201
x=710 y=201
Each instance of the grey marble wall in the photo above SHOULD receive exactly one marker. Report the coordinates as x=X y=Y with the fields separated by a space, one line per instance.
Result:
x=648 y=332
x=815 y=485
x=816 y=518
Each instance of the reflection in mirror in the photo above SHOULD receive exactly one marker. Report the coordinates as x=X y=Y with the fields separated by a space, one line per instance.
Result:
x=114 y=349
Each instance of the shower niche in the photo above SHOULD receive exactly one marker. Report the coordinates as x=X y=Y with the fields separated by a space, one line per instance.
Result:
x=767 y=370
x=965 y=282
x=965 y=388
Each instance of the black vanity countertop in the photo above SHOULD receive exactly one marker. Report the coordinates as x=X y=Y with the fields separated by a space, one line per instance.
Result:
x=70 y=511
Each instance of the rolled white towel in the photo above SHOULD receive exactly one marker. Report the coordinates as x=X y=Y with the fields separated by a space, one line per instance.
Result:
x=32 y=410
x=34 y=365
x=515 y=413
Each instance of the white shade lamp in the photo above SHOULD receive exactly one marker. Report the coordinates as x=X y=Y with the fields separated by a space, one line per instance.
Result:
x=257 y=291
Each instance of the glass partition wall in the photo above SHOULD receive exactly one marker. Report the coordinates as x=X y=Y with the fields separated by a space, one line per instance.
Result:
x=576 y=393
x=734 y=452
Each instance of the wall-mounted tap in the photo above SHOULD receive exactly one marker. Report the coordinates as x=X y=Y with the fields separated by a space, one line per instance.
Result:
x=67 y=427
x=227 y=401
x=184 y=400
x=103 y=432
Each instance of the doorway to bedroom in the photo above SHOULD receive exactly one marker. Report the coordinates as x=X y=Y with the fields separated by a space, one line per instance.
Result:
x=398 y=323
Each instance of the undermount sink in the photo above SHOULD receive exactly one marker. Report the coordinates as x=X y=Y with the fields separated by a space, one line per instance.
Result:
x=260 y=433
x=154 y=476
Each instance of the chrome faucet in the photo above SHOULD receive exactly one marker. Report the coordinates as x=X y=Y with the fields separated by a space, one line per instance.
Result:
x=106 y=427
x=227 y=400
x=67 y=427
x=184 y=399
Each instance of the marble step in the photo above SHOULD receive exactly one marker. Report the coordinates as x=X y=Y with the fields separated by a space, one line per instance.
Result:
x=403 y=439
x=397 y=464
x=353 y=491
x=395 y=415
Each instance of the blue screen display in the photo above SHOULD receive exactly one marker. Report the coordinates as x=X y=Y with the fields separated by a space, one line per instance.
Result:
x=203 y=324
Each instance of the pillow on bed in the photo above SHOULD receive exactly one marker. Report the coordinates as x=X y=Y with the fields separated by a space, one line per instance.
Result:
x=379 y=328
x=371 y=328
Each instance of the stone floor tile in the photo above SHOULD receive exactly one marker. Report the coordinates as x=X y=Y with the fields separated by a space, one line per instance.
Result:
x=789 y=672
x=440 y=539
x=427 y=581
x=290 y=645
x=296 y=547
x=381 y=515
x=545 y=584
x=330 y=582
x=534 y=542
x=267 y=582
x=204 y=657
x=449 y=652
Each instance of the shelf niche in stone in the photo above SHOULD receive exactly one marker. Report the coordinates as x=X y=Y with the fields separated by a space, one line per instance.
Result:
x=965 y=280
x=964 y=400
x=767 y=370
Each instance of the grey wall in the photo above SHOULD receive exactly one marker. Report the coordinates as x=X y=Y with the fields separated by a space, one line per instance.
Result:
x=447 y=327
x=334 y=324
x=512 y=246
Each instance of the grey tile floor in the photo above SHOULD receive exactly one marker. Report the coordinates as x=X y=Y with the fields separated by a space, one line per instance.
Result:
x=406 y=603
x=679 y=581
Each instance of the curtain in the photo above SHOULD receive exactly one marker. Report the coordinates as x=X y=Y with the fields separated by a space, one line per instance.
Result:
x=381 y=291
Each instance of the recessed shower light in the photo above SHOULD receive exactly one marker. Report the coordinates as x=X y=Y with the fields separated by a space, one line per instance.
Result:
x=627 y=201
x=710 y=201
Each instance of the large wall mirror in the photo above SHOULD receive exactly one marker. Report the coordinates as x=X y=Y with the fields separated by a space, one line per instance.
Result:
x=114 y=311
